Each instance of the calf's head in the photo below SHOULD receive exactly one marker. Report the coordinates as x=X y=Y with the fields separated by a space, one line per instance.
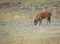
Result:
x=35 y=21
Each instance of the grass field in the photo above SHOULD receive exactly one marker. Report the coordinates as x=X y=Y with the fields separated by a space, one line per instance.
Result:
x=16 y=22
x=29 y=35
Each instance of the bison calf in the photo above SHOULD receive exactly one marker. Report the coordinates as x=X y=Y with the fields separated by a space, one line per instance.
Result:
x=42 y=15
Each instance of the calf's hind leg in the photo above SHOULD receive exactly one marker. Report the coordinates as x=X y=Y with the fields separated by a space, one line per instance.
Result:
x=48 y=21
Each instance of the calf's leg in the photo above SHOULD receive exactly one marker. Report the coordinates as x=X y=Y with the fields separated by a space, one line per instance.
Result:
x=40 y=22
x=48 y=21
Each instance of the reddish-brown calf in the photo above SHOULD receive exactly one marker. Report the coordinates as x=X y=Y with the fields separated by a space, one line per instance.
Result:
x=42 y=15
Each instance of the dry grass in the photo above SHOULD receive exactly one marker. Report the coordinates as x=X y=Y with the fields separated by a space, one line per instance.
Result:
x=27 y=35
x=54 y=40
x=36 y=35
